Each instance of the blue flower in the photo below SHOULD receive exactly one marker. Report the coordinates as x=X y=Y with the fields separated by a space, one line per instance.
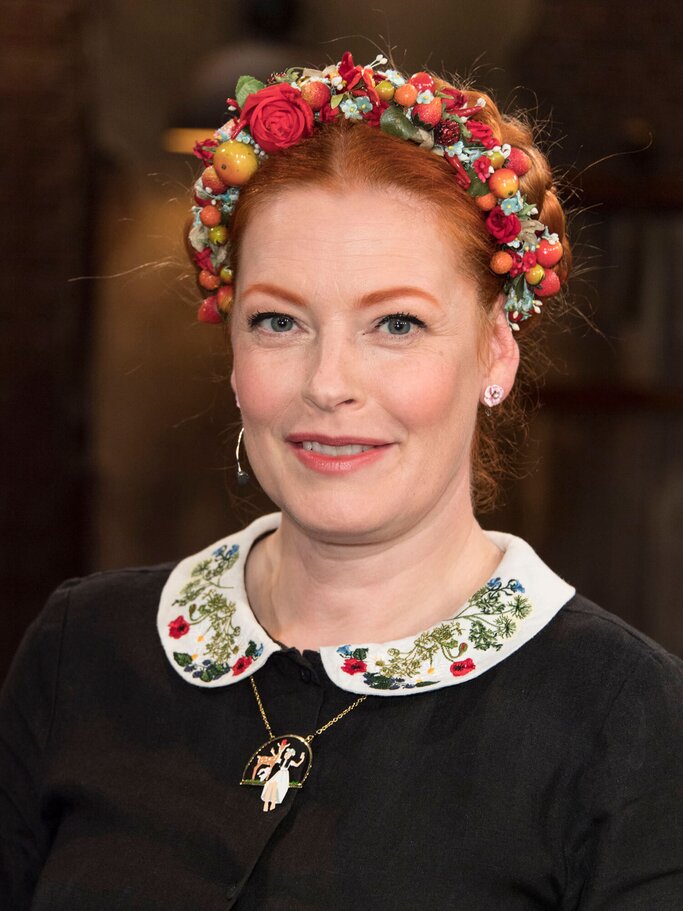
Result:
x=512 y=204
x=218 y=552
x=394 y=77
x=493 y=583
x=233 y=550
x=350 y=109
x=425 y=97
x=363 y=104
x=345 y=651
x=259 y=651
x=516 y=586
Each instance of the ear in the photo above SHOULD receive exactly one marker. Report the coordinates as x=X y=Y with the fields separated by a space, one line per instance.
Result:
x=502 y=351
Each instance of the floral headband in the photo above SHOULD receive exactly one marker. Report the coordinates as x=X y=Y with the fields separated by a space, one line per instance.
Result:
x=264 y=119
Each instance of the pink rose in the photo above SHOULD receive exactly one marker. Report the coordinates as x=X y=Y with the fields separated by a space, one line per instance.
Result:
x=278 y=117
x=503 y=227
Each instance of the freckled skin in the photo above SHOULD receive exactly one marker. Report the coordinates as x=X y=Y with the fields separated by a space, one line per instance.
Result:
x=340 y=373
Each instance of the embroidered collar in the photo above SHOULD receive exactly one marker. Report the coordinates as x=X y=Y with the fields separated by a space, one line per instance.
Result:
x=212 y=638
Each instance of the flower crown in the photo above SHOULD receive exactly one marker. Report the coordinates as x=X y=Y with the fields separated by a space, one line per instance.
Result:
x=264 y=119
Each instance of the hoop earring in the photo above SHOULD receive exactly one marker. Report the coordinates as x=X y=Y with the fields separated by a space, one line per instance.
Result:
x=242 y=475
x=493 y=395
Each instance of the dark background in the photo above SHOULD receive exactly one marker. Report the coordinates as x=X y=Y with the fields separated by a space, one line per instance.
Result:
x=118 y=426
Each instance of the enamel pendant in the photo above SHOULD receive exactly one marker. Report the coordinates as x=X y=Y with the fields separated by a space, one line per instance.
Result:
x=280 y=764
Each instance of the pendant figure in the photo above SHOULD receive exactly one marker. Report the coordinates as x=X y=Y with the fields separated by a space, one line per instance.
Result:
x=280 y=764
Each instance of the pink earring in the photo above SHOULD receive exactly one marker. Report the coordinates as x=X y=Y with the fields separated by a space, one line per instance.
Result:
x=493 y=395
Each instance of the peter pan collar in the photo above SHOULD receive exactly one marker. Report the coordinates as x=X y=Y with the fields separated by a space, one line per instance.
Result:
x=212 y=638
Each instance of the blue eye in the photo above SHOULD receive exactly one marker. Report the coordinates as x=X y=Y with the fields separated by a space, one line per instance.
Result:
x=401 y=323
x=276 y=322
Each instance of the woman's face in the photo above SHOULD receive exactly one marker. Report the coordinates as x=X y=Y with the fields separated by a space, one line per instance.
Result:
x=353 y=326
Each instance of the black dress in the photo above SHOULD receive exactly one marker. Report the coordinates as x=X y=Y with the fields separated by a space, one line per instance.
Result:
x=553 y=780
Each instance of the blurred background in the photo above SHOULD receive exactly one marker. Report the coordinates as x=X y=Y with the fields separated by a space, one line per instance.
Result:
x=117 y=423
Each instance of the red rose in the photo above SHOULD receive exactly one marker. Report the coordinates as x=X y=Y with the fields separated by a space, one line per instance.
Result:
x=482 y=133
x=350 y=73
x=503 y=227
x=460 y=668
x=178 y=627
x=278 y=117
x=482 y=167
x=241 y=665
x=354 y=666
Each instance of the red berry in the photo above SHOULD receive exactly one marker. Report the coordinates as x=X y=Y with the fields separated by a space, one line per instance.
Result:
x=208 y=311
x=518 y=161
x=428 y=114
x=447 y=132
x=548 y=254
x=317 y=94
x=549 y=285
x=423 y=82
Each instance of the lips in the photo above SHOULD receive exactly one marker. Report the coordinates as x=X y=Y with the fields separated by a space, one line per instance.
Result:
x=336 y=455
x=326 y=440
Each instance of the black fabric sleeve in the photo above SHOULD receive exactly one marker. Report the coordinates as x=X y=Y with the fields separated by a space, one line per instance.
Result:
x=26 y=708
x=632 y=855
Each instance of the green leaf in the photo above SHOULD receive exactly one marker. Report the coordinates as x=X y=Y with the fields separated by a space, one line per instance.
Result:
x=360 y=654
x=425 y=683
x=182 y=658
x=476 y=188
x=395 y=123
x=336 y=100
x=250 y=650
x=247 y=85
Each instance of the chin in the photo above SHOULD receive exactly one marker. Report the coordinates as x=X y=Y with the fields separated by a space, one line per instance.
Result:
x=343 y=518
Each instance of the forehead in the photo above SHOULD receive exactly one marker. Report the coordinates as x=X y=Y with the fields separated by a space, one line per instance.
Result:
x=360 y=238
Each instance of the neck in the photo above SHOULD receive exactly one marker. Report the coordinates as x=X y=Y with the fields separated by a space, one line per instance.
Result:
x=308 y=593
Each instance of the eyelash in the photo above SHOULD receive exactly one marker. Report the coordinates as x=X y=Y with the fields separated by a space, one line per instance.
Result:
x=260 y=315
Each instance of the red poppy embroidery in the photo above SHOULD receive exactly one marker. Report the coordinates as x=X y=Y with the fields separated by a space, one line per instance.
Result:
x=460 y=668
x=178 y=627
x=354 y=666
x=241 y=665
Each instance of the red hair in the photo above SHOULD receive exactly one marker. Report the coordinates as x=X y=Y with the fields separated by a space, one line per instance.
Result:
x=343 y=154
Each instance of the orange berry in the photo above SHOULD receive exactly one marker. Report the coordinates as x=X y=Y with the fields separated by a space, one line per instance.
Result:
x=549 y=254
x=317 y=94
x=486 y=202
x=406 y=95
x=210 y=216
x=208 y=280
x=212 y=181
x=501 y=262
x=235 y=162
x=503 y=183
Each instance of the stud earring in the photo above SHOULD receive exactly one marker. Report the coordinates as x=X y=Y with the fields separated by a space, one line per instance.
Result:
x=242 y=475
x=493 y=395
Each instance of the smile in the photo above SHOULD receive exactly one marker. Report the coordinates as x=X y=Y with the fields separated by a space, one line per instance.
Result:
x=349 y=450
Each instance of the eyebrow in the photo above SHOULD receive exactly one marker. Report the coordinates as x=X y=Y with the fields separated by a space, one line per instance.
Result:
x=373 y=297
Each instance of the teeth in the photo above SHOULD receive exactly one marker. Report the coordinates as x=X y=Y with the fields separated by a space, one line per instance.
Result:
x=312 y=446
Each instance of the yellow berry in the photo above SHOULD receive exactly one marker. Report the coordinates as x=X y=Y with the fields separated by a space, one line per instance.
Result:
x=534 y=275
x=385 y=90
x=226 y=275
x=497 y=160
x=218 y=235
x=235 y=162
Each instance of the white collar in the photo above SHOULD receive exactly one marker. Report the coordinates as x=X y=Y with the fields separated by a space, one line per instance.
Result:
x=212 y=638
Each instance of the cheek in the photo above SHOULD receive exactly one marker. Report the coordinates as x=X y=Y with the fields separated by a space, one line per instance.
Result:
x=264 y=389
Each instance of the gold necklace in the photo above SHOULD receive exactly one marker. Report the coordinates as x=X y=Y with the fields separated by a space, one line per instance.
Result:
x=284 y=761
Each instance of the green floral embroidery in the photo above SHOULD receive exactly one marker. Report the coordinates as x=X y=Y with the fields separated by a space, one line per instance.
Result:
x=490 y=617
x=206 y=604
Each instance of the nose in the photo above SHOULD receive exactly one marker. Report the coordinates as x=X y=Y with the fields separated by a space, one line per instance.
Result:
x=334 y=376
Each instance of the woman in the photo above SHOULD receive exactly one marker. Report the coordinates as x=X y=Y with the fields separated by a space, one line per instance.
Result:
x=386 y=236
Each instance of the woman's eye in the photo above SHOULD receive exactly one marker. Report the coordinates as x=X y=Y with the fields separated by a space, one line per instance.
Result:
x=400 y=324
x=272 y=322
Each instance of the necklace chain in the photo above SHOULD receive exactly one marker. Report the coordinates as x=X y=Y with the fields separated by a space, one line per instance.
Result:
x=309 y=737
